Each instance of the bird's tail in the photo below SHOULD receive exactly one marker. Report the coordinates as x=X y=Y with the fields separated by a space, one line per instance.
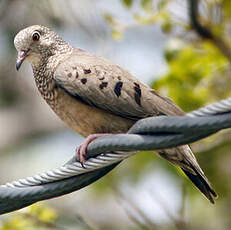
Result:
x=201 y=182
x=183 y=157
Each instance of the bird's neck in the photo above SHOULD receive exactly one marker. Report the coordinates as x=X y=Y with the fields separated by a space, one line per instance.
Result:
x=45 y=84
x=44 y=74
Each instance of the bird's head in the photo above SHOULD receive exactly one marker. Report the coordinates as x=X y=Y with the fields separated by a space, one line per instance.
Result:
x=34 y=43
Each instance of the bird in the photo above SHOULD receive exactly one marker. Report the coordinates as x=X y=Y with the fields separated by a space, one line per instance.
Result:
x=95 y=97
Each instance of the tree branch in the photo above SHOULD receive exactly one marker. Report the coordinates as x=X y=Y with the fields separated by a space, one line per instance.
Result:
x=205 y=32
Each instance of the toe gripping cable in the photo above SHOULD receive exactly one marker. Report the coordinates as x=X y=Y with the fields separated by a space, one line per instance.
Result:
x=146 y=134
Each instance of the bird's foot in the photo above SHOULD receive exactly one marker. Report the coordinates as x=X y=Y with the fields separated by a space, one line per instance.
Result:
x=81 y=151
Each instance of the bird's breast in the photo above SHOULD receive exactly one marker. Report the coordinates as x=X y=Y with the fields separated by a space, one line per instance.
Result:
x=85 y=119
x=47 y=89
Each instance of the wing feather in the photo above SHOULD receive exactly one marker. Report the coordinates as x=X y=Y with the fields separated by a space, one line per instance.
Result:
x=109 y=87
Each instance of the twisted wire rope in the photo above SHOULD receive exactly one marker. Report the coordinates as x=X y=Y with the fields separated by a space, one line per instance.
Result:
x=222 y=106
x=103 y=160
x=147 y=134
x=70 y=170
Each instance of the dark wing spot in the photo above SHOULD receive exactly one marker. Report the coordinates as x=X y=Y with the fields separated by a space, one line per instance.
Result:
x=137 y=93
x=118 y=88
x=137 y=85
x=103 y=85
x=87 y=71
x=76 y=75
x=101 y=78
x=84 y=80
x=69 y=75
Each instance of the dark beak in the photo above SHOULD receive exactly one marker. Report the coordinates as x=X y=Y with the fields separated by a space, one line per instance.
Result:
x=20 y=58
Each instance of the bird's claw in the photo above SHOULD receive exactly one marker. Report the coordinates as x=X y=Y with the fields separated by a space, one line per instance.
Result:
x=81 y=155
x=81 y=151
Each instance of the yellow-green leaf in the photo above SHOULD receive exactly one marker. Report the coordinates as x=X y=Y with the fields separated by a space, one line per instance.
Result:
x=127 y=3
x=146 y=5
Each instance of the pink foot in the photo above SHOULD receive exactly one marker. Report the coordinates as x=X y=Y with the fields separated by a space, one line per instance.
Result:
x=81 y=151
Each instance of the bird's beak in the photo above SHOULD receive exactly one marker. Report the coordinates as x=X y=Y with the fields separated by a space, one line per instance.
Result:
x=20 y=58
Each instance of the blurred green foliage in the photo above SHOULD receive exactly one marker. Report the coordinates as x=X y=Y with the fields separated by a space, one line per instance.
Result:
x=191 y=69
x=127 y=3
x=36 y=216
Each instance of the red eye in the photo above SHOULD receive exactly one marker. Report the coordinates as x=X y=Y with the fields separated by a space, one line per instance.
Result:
x=36 y=36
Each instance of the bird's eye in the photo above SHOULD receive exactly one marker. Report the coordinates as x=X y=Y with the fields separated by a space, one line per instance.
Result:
x=36 y=36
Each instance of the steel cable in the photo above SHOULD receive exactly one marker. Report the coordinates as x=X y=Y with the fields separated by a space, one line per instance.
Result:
x=147 y=134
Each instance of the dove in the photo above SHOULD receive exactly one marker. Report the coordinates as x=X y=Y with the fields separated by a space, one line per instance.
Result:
x=95 y=97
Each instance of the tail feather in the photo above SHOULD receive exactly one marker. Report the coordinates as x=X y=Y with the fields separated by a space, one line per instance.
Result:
x=202 y=184
x=183 y=156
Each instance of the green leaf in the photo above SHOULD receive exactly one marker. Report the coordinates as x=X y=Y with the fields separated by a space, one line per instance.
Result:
x=166 y=27
x=145 y=20
x=110 y=19
x=146 y=5
x=44 y=213
x=116 y=34
x=162 y=4
x=127 y=3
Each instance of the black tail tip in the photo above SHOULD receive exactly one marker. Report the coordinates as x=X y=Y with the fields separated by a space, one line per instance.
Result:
x=202 y=185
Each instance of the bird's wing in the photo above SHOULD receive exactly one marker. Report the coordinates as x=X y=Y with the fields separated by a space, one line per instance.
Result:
x=97 y=82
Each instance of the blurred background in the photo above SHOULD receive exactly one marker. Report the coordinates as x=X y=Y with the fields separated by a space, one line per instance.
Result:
x=156 y=42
